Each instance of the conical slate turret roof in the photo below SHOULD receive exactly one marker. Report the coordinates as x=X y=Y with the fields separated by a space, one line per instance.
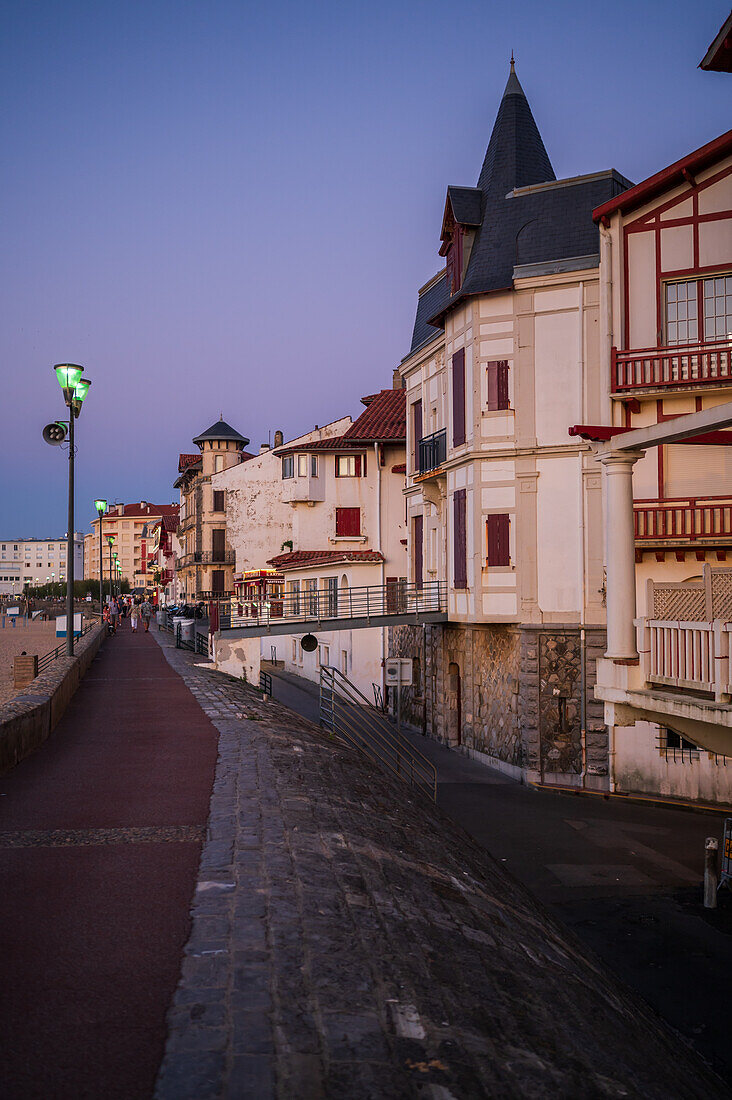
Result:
x=518 y=215
x=515 y=156
x=221 y=431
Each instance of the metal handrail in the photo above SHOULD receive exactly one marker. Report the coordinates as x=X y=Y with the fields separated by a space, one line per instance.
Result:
x=48 y=658
x=315 y=605
x=346 y=711
x=432 y=451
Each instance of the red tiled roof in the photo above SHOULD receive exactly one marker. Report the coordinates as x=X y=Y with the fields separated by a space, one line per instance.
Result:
x=170 y=521
x=299 y=558
x=184 y=461
x=136 y=511
x=384 y=420
x=400 y=468
x=332 y=444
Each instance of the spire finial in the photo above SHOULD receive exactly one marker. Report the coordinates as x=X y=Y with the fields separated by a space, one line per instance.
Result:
x=513 y=70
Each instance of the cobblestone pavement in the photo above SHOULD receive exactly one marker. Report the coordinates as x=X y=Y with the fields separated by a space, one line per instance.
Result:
x=349 y=941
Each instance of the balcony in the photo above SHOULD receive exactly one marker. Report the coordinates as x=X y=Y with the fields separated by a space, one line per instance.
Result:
x=304 y=490
x=697 y=521
x=672 y=368
x=431 y=453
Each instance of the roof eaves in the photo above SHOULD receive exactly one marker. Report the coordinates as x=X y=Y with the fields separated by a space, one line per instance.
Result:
x=669 y=177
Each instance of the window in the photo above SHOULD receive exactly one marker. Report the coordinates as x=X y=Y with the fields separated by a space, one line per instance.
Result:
x=218 y=463
x=312 y=593
x=295 y=597
x=718 y=308
x=496 y=536
x=676 y=748
x=218 y=500
x=323 y=655
x=313 y=465
x=302 y=465
x=294 y=650
x=350 y=466
x=459 y=540
x=497 y=377
x=288 y=467
x=417 y=431
x=458 y=398
x=686 y=301
x=344 y=662
x=418 y=550
x=348 y=522
x=332 y=584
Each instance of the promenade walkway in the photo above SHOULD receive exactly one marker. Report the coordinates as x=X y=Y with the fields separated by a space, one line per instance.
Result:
x=347 y=939
x=100 y=839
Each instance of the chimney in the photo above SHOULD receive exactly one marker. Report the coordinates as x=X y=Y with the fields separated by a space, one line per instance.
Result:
x=264 y=448
x=279 y=438
x=397 y=382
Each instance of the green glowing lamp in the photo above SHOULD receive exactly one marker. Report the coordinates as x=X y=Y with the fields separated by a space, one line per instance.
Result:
x=101 y=507
x=80 y=391
x=69 y=377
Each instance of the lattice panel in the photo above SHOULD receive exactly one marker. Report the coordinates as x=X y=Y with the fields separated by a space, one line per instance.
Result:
x=722 y=593
x=682 y=602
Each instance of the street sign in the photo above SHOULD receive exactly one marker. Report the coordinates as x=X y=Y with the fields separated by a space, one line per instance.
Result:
x=726 y=875
x=398 y=671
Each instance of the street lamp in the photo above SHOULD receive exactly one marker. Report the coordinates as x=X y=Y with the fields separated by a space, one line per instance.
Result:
x=75 y=389
x=101 y=507
x=110 y=543
x=115 y=555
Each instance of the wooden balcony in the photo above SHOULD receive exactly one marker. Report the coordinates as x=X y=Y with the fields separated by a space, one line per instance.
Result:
x=691 y=521
x=671 y=368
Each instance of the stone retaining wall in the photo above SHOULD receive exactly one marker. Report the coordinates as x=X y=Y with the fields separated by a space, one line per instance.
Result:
x=510 y=693
x=28 y=719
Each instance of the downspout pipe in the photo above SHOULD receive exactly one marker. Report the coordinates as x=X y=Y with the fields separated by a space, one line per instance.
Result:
x=383 y=561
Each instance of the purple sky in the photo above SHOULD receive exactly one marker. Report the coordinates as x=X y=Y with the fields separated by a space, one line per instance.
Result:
x=229 y=207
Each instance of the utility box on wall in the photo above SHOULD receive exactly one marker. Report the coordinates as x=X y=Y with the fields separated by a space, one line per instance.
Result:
x=398 y=671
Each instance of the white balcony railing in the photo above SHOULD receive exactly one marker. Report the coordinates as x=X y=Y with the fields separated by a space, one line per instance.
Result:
x=691 y=655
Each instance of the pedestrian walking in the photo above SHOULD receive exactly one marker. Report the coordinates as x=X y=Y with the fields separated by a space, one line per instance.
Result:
x=114 y=614
x=146 y=613
x=134 y=616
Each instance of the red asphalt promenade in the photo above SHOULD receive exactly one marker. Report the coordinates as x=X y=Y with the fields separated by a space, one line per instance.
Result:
x=100 y=838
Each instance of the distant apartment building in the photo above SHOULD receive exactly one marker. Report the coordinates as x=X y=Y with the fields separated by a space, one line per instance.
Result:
x=162 y=555
x=205 y=567
x=37 y=562
x=132 y=526
x=502 y=504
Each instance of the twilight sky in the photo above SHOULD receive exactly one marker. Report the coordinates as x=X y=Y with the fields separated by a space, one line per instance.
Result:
x=224 y=206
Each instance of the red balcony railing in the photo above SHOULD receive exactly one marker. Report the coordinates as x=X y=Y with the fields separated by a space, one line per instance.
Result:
x=685 y=520
x=681 y=365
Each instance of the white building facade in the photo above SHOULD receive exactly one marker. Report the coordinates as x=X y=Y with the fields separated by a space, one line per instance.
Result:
x=37 y=562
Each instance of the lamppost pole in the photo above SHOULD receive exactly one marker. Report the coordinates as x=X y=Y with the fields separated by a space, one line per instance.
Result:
x=75 y=389
x=101 y=507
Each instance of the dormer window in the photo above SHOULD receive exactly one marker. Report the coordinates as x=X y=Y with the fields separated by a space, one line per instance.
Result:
x=454 y=260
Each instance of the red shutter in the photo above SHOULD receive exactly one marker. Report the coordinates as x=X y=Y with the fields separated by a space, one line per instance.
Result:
x=357 y=465
x=418 y=550
x=348 y=522
x=417 y=427
x=460 y=540
x=363 y=466
x=497 y=373
x=497 y=545
x=458 y=398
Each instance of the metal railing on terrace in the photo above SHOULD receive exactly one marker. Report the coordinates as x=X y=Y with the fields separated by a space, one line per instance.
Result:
x=48 y=658
x=689 y=519
x=346 y=712
x=676 y=365
x=432 y=451
x=316 y=606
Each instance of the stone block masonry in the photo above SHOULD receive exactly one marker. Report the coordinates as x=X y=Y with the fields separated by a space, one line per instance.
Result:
x=512 y=694
x=348 y=940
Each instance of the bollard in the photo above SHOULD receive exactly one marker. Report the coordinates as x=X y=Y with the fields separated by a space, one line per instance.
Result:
x=710 y=872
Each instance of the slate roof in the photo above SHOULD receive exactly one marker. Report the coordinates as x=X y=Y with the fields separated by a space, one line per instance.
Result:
x=433 y=298
x=384 y=419
x=299 y=558
x=221 y=430
x=527 y=215
x=466 y=204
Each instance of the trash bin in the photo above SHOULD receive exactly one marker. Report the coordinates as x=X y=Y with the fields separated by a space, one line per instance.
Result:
x=187 y=626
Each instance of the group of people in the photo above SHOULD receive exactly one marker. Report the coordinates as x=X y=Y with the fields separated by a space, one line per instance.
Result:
x=120 y=608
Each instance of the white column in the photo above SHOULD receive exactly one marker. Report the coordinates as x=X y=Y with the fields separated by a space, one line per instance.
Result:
x=620 y=553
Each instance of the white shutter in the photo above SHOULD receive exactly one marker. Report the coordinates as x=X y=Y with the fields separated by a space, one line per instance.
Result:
x=697 y=471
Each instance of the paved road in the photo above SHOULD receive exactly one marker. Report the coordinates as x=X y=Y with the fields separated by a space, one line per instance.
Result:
x=100 y=837
x=625 y=877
